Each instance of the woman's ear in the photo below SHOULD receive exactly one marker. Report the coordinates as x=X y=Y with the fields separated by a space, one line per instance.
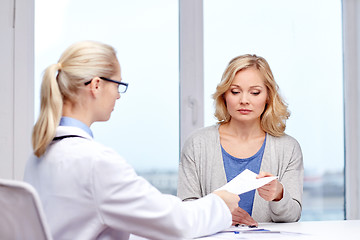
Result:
x=95 y=86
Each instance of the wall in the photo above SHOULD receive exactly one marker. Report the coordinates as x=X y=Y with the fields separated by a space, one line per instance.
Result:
x=16 y=92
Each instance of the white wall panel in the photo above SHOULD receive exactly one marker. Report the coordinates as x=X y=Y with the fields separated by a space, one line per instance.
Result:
x=6 y=89
x=16 y=91
x=23 y=84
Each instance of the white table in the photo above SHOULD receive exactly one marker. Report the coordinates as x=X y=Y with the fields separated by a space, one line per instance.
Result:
x=347 y=229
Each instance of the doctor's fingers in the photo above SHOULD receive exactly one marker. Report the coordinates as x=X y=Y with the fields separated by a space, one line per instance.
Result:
x=242 y=221
x=240 y=216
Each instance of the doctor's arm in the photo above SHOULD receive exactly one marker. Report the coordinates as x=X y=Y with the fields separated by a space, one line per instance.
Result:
x=129 y=203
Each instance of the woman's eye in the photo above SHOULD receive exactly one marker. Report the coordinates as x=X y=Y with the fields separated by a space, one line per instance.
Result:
x=255 y=93
x=234 y=92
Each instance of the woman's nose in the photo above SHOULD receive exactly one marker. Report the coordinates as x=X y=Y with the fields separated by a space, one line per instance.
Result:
x=244 y=98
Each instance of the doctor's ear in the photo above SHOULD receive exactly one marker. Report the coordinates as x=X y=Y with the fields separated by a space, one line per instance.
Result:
x=95 y=86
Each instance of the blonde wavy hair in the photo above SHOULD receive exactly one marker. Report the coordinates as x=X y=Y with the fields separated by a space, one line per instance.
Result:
x=78 y=64
x=273 y=119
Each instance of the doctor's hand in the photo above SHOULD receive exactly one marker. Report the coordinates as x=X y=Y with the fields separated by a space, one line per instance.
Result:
x=230 y=199
x=273 y=191
x=240 y=216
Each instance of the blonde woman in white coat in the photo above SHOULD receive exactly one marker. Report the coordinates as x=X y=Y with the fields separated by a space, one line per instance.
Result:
x=87 y=190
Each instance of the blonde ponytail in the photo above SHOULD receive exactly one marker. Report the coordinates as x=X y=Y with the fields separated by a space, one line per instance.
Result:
x=50 y=112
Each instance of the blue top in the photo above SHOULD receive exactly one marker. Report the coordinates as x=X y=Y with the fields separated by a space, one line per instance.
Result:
x=72 y=122
x=234 y=166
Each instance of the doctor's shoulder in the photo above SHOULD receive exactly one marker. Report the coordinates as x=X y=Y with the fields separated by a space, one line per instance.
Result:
x=100 y=153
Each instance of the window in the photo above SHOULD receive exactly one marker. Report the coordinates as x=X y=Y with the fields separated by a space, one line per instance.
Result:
x=145 y=122
x=302 y=41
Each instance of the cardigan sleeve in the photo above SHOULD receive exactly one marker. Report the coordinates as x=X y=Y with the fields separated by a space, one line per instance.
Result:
x=188 y=178
x=288 y=209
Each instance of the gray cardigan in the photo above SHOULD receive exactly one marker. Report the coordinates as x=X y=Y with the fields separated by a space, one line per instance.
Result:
x=201 y=171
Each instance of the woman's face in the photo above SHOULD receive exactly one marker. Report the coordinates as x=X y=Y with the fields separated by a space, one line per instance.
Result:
x=247 y=96
x=109 y=95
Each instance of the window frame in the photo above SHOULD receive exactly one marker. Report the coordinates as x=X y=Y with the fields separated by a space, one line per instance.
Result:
x=351 y=40
x=191 y=53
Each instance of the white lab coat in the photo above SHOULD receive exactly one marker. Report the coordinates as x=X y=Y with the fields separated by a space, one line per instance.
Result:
x=89 y=192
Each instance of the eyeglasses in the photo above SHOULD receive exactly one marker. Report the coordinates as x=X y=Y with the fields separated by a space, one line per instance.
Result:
x=122 y=87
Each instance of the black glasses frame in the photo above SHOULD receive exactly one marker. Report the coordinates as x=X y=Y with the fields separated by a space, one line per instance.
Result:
x=110 y=80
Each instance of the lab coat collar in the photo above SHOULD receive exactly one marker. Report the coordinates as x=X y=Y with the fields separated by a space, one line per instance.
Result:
x=70 y=130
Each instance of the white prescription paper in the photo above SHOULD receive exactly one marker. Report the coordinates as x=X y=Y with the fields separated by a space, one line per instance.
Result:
x=246 y=181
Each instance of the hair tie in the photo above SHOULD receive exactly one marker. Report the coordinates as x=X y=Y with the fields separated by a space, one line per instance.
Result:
x=59 y=65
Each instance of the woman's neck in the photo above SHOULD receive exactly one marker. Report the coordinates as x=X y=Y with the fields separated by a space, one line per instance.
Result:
x=76 y=112
x=243 y=130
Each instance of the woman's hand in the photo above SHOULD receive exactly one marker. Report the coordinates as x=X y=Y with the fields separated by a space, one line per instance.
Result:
x=273 y=191
x=240 y=216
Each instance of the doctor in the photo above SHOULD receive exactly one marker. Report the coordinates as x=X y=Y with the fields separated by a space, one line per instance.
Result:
x=87 y=190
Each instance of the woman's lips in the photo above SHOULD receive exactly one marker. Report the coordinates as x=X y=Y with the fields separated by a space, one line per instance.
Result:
x=244 y=111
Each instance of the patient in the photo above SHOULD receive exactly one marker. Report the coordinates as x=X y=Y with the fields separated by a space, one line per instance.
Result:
x=249 y=135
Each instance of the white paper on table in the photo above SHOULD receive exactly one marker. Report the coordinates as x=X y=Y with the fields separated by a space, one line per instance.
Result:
x=246 y=181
